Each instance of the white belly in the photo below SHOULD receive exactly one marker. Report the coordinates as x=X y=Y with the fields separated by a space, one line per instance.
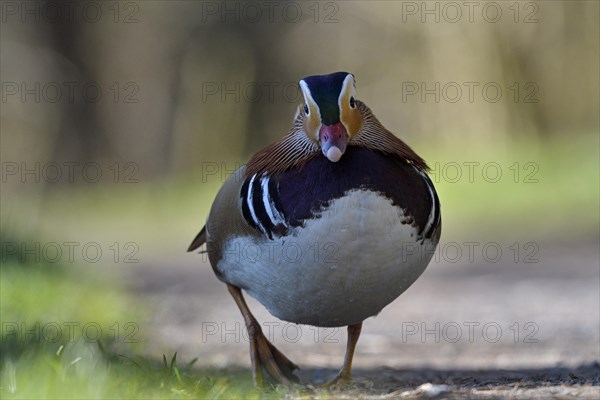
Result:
x=338 y=269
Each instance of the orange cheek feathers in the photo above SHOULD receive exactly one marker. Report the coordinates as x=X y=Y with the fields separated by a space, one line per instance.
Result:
x=350 y=117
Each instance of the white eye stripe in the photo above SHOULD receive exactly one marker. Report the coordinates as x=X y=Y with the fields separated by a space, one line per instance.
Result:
x=347 y=90
x=306 y=91
x=310 y=101
x=308 y=95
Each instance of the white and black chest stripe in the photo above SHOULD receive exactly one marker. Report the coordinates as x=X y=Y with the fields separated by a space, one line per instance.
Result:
x=274 y=204
x=434 y=219
x=261 y=207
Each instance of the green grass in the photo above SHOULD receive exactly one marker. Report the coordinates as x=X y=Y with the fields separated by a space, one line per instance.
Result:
x=36 y=363
x=84 y=371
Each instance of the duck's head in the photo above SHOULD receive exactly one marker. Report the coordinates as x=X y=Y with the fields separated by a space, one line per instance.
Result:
x=330 y=112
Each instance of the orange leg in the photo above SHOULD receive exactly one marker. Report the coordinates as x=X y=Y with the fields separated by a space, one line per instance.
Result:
x=262 y=353
x=345 y=374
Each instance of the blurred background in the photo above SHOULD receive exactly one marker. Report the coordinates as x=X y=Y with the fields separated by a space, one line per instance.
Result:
x=120 y=121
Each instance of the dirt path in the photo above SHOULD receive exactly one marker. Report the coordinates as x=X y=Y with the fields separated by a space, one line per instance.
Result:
x=482 y=329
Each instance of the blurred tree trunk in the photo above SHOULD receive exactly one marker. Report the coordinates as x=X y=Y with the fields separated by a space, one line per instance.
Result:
x=270 y=117
x=80 y=137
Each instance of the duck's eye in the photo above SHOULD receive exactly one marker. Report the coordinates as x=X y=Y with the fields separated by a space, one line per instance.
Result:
x=352 y=102
x=306 y=109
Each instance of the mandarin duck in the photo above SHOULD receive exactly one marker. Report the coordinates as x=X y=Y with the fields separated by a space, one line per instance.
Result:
x=325 y=227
